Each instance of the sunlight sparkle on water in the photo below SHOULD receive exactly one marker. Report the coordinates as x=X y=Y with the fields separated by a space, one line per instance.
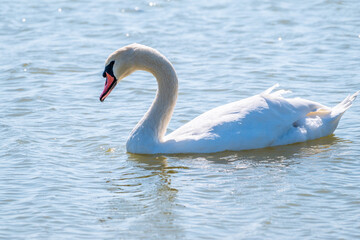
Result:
x=64 y=169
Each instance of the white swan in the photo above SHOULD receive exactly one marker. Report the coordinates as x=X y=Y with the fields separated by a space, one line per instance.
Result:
x=263 y=120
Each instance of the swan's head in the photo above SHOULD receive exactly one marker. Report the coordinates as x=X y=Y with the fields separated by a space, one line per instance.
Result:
x=117 y=66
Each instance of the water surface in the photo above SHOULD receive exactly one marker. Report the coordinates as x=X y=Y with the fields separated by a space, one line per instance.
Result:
x=64 y=171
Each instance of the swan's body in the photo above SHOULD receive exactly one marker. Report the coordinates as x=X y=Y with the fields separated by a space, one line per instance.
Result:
x=264 y=120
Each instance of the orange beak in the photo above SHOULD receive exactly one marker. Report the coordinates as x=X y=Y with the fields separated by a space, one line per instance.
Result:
x=110 y=83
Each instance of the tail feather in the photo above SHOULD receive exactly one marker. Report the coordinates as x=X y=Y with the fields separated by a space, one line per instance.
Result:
x=344 y=105
x=331 y=117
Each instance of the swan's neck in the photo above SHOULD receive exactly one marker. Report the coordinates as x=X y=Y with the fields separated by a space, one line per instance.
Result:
x=152 y=127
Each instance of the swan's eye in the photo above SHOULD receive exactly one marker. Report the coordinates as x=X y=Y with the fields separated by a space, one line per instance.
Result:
x=109 y=69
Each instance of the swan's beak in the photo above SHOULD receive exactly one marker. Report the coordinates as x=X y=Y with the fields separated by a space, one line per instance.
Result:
x=110 y=83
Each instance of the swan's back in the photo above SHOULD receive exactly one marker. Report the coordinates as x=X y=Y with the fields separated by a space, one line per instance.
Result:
x=260 y=121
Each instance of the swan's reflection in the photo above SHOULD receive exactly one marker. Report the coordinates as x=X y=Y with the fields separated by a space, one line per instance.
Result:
x=158 y=166
x=153 y=162
x=270 y=154
x=286 y=153
x=143 y=195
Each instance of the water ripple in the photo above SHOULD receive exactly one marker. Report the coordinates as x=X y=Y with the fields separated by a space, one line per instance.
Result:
x=64 y=170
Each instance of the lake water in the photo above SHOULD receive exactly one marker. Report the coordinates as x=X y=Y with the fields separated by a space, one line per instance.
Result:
x=64 y=170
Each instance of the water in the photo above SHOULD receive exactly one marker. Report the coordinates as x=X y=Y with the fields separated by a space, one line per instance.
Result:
x=64 y=171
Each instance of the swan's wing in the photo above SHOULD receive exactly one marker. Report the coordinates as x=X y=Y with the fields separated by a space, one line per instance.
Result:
x=253 y=122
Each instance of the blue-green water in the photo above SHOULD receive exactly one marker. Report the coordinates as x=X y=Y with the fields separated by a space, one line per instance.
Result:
x=64 y=171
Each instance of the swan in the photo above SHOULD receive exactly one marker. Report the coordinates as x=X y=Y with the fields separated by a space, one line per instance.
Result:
x=264 y=120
